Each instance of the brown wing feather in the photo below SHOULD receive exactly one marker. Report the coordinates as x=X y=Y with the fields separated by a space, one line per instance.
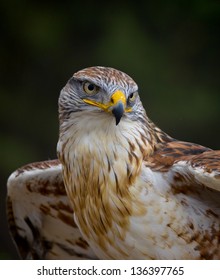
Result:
x=168 y=153
x=195 y=164
x=39 y=215
x=209 y=160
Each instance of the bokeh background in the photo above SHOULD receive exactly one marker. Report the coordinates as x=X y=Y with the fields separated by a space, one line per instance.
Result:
x=171 y=48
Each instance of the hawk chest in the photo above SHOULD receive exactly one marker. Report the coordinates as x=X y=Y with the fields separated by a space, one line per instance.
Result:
x=98 y=176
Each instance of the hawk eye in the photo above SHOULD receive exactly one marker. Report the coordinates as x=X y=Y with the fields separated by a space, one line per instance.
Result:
x=90 y=88
x=132 y=96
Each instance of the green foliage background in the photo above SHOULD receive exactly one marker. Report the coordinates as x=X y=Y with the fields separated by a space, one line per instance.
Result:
x=171 y=48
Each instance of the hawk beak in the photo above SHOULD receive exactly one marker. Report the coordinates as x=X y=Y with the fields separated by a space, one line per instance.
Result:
x=118 y=112
x=118 y=104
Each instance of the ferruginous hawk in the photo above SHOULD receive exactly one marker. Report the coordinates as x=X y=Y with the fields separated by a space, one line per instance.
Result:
x=131 y=191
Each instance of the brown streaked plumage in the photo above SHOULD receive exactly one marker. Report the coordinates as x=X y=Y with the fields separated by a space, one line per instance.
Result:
x=39 y=215
x=136 y=193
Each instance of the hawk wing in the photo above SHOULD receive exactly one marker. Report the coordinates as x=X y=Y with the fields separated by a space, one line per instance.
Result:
x=187 y=175
x=187 y=164
x=39 y=215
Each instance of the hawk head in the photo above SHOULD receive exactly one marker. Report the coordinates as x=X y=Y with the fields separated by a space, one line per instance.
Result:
x=95 y=90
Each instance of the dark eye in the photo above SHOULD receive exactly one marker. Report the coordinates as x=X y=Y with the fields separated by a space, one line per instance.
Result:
x=90 y=88
x=132 y=96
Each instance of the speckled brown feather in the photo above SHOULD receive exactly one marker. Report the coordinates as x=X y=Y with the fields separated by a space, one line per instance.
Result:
x=168 y=153
x=37 y=208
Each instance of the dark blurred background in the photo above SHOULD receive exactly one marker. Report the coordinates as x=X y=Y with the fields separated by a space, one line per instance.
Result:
x=171 y=48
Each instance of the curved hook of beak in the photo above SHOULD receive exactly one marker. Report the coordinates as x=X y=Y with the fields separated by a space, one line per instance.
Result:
x=118 y=111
